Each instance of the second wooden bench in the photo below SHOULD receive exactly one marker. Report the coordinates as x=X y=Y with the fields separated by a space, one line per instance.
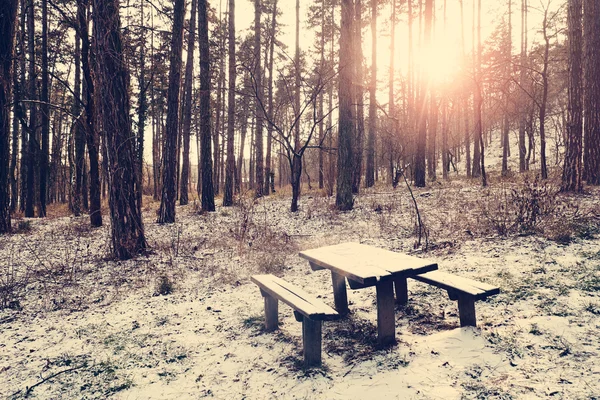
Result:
x=307 y=309
x=466 y=291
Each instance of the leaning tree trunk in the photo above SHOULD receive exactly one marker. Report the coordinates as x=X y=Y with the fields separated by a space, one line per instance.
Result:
x=230 y=167
x=208 y=196
x=169 y=188
x=8 y=17
x=571 y=178
x=127 y=230
x=346 y=126
x=187 y=111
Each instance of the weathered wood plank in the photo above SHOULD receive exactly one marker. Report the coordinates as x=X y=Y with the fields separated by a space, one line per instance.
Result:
x=311 y=337
x=340 y=296
x=453 y=283
x=386 y=322
x=271 y=313
x=401 y=290
x=305 y=303
x=360 y=262
x=466 y=311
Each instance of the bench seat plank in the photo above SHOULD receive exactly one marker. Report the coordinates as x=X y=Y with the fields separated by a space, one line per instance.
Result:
x=361 y=263
x=305 y=303
x=449 y=282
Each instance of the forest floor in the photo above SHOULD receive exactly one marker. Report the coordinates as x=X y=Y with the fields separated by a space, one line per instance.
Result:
x=184 y=320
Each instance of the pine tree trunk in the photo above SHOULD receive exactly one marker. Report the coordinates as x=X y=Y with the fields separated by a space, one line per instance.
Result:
x=91 y=133
x=422 y=131
x=127 y=228
x=346 y=126
x=230 y=171
x=169 y=188
x=187 y=109
x=208 y=196
x=267 y=188
x=8 y=19
x=142 y=109
x=479 y=155
x=45 y=114
x=359 y=93
x=571 y=178
x=506 y=122
x=370 y=166
x=543 y=105
x=259 y=100
x=522 y=77
x=32 y=134
x=591 y=103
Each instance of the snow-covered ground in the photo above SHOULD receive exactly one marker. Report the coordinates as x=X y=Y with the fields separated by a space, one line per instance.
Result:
x=91 y=327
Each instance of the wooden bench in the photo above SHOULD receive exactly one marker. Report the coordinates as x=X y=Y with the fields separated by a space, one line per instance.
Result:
x=466 y=291
x=307 y=309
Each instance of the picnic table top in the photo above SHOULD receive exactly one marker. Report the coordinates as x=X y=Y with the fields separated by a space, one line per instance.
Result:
x=366 y=264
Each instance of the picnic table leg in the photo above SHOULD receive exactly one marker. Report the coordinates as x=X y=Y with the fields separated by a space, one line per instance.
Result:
x=466 y=311
x=271 y=311
x=311 y=338
x=340 y=296
x=386 y=323
x=401 y=290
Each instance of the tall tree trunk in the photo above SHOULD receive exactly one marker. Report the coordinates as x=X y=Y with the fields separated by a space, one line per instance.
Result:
x=370 y=167
x=543 y=104
x=321 y=97
x=45 y=111
x=91 y=133
x=259 y=100
x=522 y=77
x=267 y=188
x=169 y=189
x=8 y=19
x=187 y=109
x=506 y=122
x=465 y=97
x=359 y=93
x=142 y=108
x=229 y=173
x=391 y=100
x=346 y=126
x=297 y=71
x=32 y=139
x=479 y=156
x=208 y=196
x=571 y=177
x=14 y=194
x=127 y=228
x=476 y=170
x=422 y=132
x=591 y=103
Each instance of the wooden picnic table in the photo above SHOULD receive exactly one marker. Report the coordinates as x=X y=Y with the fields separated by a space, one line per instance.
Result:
x=366 y=266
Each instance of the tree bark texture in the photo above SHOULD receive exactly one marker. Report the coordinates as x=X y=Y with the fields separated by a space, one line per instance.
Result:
x=8 y=18
x=346 y=125
x=169 y=188
x=127 y=228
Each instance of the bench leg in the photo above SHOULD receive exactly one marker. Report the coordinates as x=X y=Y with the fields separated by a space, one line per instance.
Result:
x=466 y=311
x=401 y=291
x=271 y=312
x=340 y=296
x=311 y=338
x=386 y=323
